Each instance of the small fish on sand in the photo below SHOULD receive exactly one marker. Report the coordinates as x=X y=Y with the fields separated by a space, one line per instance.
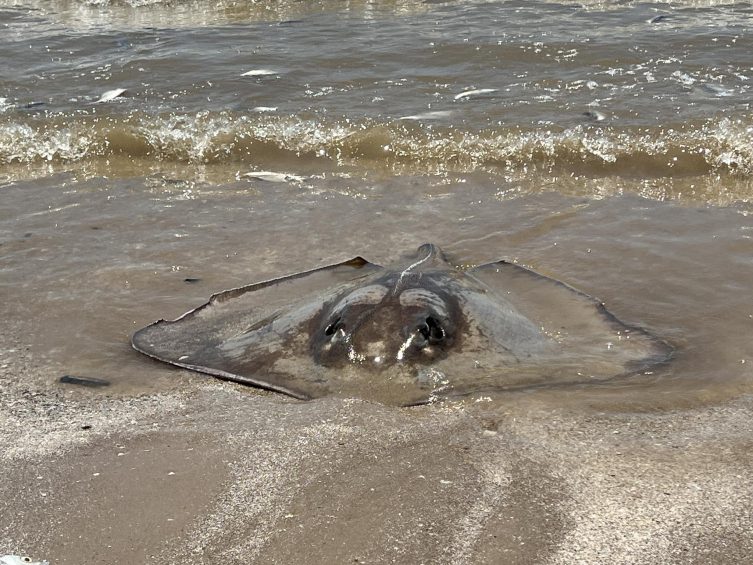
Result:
x=271 y=176
x=111 y=95
x=264 y=108
x=259 y=73
x=475 y=92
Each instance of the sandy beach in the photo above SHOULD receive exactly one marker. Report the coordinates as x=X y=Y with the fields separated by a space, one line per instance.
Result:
x=168 y=466
x=172 y=467
x=214 y=472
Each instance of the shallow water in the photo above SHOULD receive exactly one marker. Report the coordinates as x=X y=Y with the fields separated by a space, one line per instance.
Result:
x=615 y=153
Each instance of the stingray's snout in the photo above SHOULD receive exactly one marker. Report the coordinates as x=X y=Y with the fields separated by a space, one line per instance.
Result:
x=393 y=331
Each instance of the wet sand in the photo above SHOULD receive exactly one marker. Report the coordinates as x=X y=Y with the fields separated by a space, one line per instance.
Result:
x=214 y=472
x=168 y=466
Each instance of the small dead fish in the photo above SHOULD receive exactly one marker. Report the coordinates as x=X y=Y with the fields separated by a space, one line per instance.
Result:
x=476 y=92
x=259 y=73
x=264 y=108
x=110 y=95
x=20 y=560
x=436 y=115
x=271 y=176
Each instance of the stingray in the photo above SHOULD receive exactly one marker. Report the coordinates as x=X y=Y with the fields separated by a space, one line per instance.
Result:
x=422 y=331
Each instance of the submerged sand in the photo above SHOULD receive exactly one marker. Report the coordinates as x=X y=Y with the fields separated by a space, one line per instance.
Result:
x=213 y=472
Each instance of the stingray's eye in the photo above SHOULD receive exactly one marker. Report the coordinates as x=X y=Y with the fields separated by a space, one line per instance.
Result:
x=431 y=330
x=333 y=327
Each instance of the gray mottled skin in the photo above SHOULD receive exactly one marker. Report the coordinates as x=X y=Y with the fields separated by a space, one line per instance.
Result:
x=409 y=334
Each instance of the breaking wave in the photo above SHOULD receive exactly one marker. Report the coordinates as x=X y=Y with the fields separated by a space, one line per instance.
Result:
x=709 y=147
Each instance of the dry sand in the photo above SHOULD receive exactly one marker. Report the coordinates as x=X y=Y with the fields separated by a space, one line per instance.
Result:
x=213 y=472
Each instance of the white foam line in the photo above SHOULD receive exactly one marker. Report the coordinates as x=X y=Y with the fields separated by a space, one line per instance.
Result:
x=53 y=210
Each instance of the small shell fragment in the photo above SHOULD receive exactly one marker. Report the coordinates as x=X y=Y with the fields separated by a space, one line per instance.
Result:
x=19 y=560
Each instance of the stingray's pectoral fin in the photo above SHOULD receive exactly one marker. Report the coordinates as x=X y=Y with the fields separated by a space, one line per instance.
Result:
x=241 y=334
x=587 y=334
x=211 y=360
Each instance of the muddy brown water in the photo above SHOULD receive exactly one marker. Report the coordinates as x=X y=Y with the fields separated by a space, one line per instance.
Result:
x=87 y=263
